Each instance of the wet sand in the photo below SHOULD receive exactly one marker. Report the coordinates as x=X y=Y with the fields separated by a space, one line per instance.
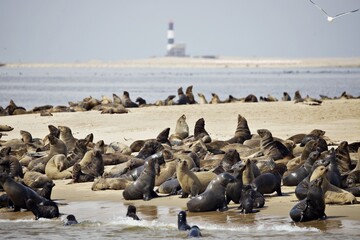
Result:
x=339 y=118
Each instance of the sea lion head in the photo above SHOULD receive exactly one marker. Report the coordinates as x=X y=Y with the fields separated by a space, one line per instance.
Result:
x=225 y=178
x=264 y=133
x=320 y=171
x=25 y=136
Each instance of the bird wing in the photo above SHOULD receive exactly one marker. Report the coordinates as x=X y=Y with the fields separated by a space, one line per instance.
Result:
x=320 y=8
x=342 y=14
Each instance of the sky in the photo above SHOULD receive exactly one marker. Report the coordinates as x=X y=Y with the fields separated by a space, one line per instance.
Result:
x=56 y=31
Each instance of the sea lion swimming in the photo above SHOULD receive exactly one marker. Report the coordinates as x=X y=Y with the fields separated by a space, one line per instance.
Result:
x=131 y=212
x=182 y=222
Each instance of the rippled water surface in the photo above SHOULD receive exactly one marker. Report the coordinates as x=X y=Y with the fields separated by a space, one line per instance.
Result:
x=106 y=220
x=30 y=87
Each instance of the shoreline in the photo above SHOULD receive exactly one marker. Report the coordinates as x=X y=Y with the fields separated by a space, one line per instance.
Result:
x=339 y=118
x=203 y=62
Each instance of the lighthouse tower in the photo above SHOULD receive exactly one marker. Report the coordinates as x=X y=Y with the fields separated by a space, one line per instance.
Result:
x=172 y=49
x=170 y=37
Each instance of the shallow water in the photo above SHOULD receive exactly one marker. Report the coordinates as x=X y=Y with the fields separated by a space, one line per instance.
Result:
x=106 y=220
x=30 y=87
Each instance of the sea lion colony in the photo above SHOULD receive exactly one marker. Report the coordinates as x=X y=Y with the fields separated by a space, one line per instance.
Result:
x=243 y=169
x=119 y=104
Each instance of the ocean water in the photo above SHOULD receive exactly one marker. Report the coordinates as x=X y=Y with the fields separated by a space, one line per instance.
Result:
x=30 y=87
x=106 y=220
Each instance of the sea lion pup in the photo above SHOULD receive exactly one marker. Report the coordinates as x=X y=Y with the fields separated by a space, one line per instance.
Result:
x=182 y=97
x=215 y=99
x=213 y=198
x=70 y=220
x=182 y=222
x=57 y=167
x=5 y=128
x=192 y=183
x=181 y=131
x=202 y=99
x=10 y=164
x=19 y=193
x=242 y=131
x=67 y=137
x=230 y=158
x=57 y=146
x=286 y=97
x=126 y=101
x=104 y=183
x=295 y=177
x=233 y=190
x=143 y=187
x=271 y=148
x=42 y=211
x=333 y=194
x=189 y=95
x=46 y=190
x=313 y=206
x=251 y=98
x=131 y=212
x=247 y=199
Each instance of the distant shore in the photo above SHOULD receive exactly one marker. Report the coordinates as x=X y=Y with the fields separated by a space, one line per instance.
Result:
x=204 y=62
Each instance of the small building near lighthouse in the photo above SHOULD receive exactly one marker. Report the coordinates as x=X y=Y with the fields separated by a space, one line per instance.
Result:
x=173 y=49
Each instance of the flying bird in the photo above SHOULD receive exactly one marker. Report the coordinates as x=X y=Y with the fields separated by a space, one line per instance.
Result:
x=331 y=18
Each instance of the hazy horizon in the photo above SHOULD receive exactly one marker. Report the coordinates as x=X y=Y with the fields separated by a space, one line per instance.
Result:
x=85 y=30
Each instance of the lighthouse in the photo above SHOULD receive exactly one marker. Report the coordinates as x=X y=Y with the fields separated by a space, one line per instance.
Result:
x=172 y=49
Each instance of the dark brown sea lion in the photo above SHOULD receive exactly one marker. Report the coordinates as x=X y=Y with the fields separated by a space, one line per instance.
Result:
x=200 y=132
x=230 y=158
x=10 y=164
x=182 y=99
x=247 y=199
x=46 y=190
x=286 y=97
x=143 y=187
x=150 y=147
x=213 y=198
x=78 y=176
x=19 y=193
x=343 y=157
x=313 y=206
x=70 y=220
x=242 y=131
x=43 y=210
x=233 y=190
x=313 y=135
x=251 y=98
x=182 y=222
x=131 y=212
x=189 y=95
x=296 y=162
x=268 y=183
x=271 y=148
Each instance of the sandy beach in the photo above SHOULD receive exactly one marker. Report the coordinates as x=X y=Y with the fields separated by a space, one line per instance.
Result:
x=339 y=118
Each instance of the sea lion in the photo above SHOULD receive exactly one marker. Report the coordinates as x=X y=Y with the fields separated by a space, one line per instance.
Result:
x=268 y=183
x=150 y=147
x=182 y=222
x=104 y=183
x=5 y=128
x=70 y=220
x=313 y=206
x=194 y=232
x=56 y=167
x=296 y=162
x=131 y=212
x=313 y=135
x=286 y=97
x=171 y=186
x=233 y=190
x=67 y=137
x=343 y=157
x=230 y=158
x=333 y=194
x=202 y=99
x=166 y=171
x=10 y=164
x=181 y=131
x=46 y=190
x=36 y=179
x=192 y=183
x=215 y=99
x=143 y=187
x=271 y=148
x=78 y=176
x=294 y=178
x=189 y=95
x=200 y=132
x=242 y=131
x=43 y=210
x=353 y=179
x=57 y=146
x=213 y=198
x=247 y=199
x=19 y=193
x=250 y=98
x=126 y=101
x=182 y=97
x=92 y=163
